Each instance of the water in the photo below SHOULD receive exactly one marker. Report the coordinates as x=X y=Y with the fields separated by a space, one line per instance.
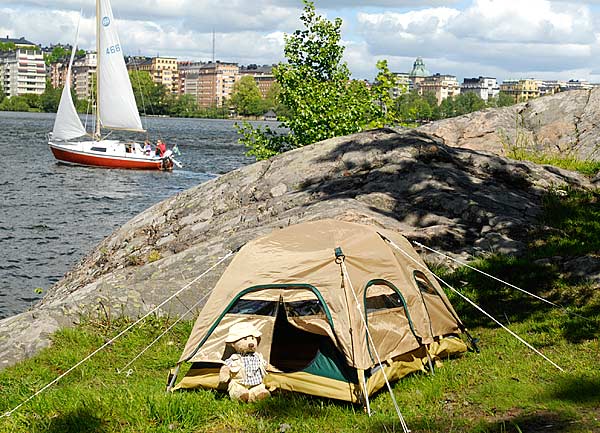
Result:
x=51 y=215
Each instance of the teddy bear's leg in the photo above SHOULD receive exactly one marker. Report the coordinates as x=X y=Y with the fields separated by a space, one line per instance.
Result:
x=238 y=391
x=259 y=392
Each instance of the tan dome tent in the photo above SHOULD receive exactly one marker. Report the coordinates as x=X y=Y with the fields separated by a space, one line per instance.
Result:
x=335 y=302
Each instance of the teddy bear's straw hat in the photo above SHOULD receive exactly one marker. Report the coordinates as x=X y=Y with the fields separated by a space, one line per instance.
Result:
x=241 y=330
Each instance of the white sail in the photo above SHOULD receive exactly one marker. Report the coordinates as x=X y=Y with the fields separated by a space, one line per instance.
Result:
x=67 y=124
x=116 y=102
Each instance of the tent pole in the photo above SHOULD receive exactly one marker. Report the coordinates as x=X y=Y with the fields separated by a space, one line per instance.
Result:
x=363 y=384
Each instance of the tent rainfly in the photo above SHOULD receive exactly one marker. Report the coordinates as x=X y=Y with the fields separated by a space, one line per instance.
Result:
x=336 y=302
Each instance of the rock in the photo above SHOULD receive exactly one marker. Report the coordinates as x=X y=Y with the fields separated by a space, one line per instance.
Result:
x=406 y=180
x=561 y=124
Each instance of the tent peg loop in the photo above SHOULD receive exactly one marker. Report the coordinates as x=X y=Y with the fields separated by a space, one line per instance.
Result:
x=339 y=255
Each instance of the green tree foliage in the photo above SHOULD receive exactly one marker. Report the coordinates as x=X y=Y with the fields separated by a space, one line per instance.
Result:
x=14 y=103
x=182 y=106
x=384 y=107
x=50 y=98
x=246 y=97
x=58 y=53
x=468 y=103
x=315 y=87
x=413 y=108
x=272 y=100
x=7 y=46
x=33 y=101
x=502 y=100
x=151 y=98
x=2 y=94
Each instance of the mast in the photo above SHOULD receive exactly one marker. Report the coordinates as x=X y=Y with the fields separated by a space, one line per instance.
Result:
x=98 y=18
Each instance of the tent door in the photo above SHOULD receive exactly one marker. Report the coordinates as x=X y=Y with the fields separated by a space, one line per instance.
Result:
x=292 y=349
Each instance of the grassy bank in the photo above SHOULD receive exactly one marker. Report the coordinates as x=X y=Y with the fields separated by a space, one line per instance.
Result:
x=504 y=388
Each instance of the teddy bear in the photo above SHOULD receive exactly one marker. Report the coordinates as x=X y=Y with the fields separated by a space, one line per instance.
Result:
x=243 y=372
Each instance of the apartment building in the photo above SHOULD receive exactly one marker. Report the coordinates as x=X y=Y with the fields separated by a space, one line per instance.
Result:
x=403 y=84
x=263 y=76
x=163 y=70
x=443 y=86
x=484 y=87
x=578 y=85
x=210 y=83
x=84 y=73
x=58 y=73
x=550 y=87
x=22 y=70
x=521 y=90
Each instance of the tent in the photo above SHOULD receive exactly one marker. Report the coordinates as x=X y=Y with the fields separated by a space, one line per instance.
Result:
x=342 y=307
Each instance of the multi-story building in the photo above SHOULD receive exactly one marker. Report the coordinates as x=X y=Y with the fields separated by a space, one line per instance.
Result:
x=163 y=70
x=84 y=73
x=58 y=73
x=521 y=90
x=443 y=86
x=210 y=83
x=22 y=70
x=578 y=85
x=402 y=84
x=417 y=73
x=484 y=87
x=263 y=76
x=550 y=87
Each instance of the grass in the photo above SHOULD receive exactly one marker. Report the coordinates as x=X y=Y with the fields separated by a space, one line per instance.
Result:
x=504 y=388
x=568 y=162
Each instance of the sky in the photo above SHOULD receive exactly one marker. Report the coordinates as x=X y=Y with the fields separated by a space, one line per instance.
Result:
x=505 y=39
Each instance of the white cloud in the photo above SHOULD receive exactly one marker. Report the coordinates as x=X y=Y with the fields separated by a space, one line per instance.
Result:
x=508 y=36
x=503 y=38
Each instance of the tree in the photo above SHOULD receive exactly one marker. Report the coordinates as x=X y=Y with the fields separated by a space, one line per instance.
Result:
x=7 y=46
x=448 y=108
x=385 y=109
x=468 y=103
x=502 y=100
x=2 y=94
x=150 y=97
x=315 y=87
x=182 y=106
x=57 y=54
x=14 y=103
x=50 y=98
x=246 y=97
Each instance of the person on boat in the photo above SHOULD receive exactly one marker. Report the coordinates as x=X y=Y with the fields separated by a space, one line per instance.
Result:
x=161 y=148
x=147 y=148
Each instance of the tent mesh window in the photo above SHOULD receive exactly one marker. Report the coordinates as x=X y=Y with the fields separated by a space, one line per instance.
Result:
x=386 y=317
x=253 y=306
x=293 y=349
x=424 y=284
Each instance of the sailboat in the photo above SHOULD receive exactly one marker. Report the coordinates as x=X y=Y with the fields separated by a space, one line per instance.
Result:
x=116 y=109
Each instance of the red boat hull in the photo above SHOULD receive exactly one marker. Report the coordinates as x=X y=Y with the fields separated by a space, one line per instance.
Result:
x=82 y=158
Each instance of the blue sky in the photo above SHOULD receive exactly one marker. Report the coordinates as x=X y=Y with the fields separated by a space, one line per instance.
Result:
x=500 y=38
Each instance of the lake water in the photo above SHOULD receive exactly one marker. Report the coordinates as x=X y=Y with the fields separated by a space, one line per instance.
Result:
x=51 y=215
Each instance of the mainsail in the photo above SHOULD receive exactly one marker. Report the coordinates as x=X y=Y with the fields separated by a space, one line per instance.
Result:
x=67 y=124
x=116 y=103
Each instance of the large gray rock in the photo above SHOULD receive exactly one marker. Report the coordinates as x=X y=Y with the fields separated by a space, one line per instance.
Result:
x=564 y=124
x=461 y=201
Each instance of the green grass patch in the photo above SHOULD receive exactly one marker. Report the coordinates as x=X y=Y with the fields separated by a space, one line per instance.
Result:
x=572 y=163
x=504 y=388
